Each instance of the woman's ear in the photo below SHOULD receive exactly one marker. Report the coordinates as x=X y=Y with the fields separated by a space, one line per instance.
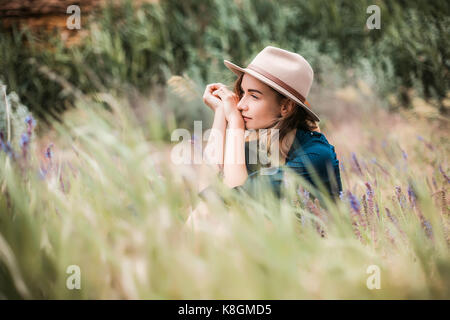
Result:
x=287 y=107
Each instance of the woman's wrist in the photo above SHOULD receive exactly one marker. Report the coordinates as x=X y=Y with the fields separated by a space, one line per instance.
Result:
x=236 y=121
x=219 y=110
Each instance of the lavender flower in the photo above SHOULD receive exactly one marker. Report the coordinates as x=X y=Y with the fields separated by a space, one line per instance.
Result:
x=9 y=150
x=391 y=217
x=411 y=196
x=369 y=191
x=6 y=147
x=31 y=123
x=30 y=120
x=443 y=174
x=342 y=195
x=356 y=207
x=49 y=152
x=370 y=196
x=356 y=163
x=354 y=203
x=404 y=154
x=24 y=140
x=394 y=220
x=428 y=229
x=400 y=197
x=427 y=144
x=434 y=182
x=2 y=144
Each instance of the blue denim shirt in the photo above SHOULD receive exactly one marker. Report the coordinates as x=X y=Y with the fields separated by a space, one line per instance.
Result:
x=310 y=154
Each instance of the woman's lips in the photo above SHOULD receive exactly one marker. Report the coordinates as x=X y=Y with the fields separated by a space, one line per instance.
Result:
x=246 y=118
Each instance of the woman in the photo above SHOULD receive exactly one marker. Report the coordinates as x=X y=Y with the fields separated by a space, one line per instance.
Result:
x=269 y=94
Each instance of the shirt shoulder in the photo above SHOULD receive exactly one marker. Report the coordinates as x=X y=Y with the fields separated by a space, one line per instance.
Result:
x=310 y=146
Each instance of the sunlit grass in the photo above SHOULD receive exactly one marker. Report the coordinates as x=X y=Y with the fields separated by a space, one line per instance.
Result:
x=111 y=202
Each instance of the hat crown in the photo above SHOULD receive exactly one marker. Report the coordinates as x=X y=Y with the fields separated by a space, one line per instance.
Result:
x=289 y=67
x=284 y=71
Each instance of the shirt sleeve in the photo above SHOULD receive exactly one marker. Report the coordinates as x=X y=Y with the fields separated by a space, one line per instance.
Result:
x=261 y=181
x=318 y=166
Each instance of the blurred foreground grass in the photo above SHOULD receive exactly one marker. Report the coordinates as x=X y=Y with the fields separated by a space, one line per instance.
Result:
x=106 y=197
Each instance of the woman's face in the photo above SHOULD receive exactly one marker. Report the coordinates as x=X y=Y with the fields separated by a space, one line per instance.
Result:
x=258 y=104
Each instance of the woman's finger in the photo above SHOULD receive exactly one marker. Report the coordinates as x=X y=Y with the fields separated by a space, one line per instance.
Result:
x=213 y=86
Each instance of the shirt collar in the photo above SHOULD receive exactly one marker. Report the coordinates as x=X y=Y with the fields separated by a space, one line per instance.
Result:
x=301 y=137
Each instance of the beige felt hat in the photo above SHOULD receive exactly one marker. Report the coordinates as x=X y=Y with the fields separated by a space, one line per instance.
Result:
x=287 y=72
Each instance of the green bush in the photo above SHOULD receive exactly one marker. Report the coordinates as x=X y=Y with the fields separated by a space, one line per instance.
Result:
x=143 y=47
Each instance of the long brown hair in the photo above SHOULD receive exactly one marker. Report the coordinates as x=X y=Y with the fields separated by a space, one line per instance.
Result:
x=298 y=118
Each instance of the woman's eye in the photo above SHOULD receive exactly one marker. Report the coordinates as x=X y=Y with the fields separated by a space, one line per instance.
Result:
x=242 y=92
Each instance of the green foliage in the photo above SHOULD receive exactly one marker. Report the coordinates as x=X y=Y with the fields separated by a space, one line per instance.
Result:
x=15 y=116
x=142 y=47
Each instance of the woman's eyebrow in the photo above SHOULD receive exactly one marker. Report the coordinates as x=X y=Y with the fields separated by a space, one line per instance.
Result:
x=252 y=90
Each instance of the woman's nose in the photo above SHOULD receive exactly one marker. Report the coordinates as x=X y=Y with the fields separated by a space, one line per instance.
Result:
x=242 y=105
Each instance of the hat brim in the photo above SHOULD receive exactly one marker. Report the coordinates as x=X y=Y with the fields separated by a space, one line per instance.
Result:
x=238 y=71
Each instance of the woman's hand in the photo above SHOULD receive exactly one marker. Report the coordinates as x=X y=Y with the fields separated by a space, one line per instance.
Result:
x=230 y=101
x=211 y=100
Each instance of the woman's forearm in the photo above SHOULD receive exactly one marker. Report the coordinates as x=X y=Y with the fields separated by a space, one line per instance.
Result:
x=235 y=170
x=214 y=150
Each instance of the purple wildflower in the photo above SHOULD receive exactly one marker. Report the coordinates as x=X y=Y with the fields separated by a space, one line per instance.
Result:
x=354 y=203
x=443 y=174
x=411 y=196
x=427 y=144
x=434 y=182
x=342 y=195
x=356 y=216
x=356 y=163
x=428 y=229
x=364 y=202
x=394 y=220
x=24 y=140
x=29 y=119
x=400 y=197
x=31 y=123
x=391 y=217
x=370 y=196
x=404 y=154
x=2 y=144
x=369 y=191
x=49 y=152
x=9 y=150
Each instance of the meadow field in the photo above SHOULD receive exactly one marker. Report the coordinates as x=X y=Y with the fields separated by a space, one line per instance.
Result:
x=87 y=181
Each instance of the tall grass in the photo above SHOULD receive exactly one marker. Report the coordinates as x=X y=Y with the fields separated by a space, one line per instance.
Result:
x=107 y=198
